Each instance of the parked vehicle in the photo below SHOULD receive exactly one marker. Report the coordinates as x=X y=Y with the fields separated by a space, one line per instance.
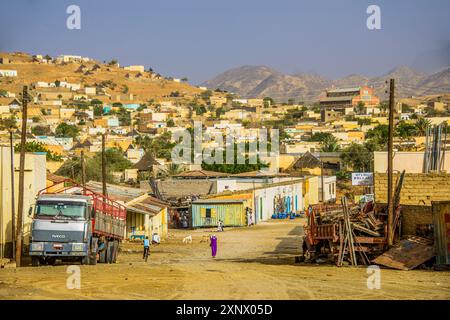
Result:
x=71 y=222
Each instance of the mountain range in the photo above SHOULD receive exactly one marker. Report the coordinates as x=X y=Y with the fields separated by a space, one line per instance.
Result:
x=263 y=81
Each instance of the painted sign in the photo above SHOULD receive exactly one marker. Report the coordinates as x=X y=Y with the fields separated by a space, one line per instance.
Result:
x=362 y=178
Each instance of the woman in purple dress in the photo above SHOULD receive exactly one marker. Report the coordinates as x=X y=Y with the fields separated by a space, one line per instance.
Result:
x=213 y=244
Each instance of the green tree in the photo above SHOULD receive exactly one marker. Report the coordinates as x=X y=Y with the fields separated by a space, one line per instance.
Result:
x=98 y=110
x=268 y=101
x=321 y=136
x=115 y=162
x=67 y=130
x=170 y=123
x=357 y=157
x=33 y=146
x=330 y=144
x=406 y=130
x=422 y=124
x=41 y=130
x=364 y=121
x=124 y=116
x=160 y=146
x=360 y=107
x=205 y=95
x=379 y=135
x=172 y=170
x=9 y=124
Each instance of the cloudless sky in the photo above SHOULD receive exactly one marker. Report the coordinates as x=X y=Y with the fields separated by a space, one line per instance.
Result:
x=202 y=38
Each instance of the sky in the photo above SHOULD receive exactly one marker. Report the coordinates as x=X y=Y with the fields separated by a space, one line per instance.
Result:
x=199 y=39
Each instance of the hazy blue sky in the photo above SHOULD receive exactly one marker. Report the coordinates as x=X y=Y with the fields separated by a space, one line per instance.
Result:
x=201 y=38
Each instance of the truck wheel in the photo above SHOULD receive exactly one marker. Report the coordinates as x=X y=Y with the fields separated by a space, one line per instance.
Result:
x=115 y=251
x=102 y=255
x=35 y=261
x=93 y=259
x=109 y=252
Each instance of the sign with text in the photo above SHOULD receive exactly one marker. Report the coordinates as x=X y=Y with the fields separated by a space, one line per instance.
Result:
x=362 y=178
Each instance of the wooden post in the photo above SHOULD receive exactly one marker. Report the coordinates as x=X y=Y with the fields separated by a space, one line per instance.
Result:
x=83 y=170
x=390 y=164
x=23 y=140
x=323 y=184
x=13 y=197
x=103 y=166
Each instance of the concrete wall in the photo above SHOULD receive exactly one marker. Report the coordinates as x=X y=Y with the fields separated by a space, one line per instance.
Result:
x=412 y=162
x=329 y=184
x=418 y=188
x=35 y=180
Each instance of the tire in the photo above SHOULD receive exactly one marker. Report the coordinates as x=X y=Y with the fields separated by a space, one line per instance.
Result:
x=115 y=251
x=85 y=260
x=109 y=252
x=102 y=255
x=35 y=261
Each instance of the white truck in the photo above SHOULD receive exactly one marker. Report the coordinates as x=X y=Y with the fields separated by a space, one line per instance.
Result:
x=74 y=223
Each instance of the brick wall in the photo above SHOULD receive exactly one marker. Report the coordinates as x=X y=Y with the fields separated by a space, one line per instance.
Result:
x=418 y=188
x=413 y=216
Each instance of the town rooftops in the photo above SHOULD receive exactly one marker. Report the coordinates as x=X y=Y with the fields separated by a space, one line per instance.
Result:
x=259 y=174
x=213 y=200
x=308 y=160
x=134 y=199
x=55 y=178
x=201 y=174
x=146 y=163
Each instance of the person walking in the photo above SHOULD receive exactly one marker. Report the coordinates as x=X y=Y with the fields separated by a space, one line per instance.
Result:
x=146 y=249
x=213 y=244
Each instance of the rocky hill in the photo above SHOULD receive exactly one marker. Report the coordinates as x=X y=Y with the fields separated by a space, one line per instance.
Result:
x=144 y=86
x=261 y=81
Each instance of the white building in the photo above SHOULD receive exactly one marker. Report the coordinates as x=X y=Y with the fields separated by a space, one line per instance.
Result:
x=34 y=181
x=8 y=73
x=137 y=68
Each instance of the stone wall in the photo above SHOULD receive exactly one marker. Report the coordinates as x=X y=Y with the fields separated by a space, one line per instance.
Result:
x=418 y=188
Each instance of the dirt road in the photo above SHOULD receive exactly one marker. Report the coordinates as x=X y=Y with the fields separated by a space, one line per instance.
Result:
x=252 y=263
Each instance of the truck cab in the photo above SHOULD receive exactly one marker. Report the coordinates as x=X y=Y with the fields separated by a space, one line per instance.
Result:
x=61 y=229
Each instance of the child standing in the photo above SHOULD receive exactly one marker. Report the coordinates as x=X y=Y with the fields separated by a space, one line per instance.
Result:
x=146 y=249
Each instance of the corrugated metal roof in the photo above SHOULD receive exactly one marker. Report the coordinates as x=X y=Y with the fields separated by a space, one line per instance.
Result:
x=338 y=90
x=337 y=99
x=218 y=201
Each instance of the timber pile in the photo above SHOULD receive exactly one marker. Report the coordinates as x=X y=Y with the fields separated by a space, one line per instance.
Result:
x=347 y=234
x=354 y=235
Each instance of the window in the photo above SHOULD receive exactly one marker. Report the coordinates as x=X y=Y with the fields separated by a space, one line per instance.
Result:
x=208 y=212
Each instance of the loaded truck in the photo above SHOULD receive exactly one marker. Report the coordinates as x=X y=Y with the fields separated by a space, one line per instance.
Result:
x=73 y=223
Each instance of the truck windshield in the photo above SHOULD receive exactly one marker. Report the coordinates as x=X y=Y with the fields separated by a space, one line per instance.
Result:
x=61 y=209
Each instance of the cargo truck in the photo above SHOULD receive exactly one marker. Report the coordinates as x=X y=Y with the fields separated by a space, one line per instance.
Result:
x=73 y=223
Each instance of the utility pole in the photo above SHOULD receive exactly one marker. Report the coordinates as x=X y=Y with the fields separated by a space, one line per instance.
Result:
x=13 y=197
x=322 y=182
x=103 y=165
x=83 y=170
x=390 y=195
x=23 y=140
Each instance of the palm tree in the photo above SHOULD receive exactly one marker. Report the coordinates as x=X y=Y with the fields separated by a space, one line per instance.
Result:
x=172 y=170
x=330 y=144
x=422 y=124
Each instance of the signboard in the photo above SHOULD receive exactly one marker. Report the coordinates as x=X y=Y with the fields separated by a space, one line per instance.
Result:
x=362 y=178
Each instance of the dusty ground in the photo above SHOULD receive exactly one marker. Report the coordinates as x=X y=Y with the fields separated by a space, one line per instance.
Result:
x=252 y=263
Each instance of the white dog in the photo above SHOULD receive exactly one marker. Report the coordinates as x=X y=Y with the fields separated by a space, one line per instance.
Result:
x=187 y=239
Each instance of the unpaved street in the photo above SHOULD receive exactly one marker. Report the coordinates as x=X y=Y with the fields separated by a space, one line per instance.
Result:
x=252 y=263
